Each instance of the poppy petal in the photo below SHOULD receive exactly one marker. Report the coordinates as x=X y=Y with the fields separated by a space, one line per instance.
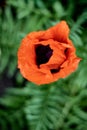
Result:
x=60 y=32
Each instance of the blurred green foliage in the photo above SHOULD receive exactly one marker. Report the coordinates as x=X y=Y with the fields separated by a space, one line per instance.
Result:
x=61 y=105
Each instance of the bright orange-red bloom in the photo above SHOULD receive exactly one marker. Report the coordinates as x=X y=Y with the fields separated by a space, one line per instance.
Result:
x=46 y=56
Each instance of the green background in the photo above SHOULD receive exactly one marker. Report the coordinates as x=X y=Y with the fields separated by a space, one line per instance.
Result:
x=61 y=105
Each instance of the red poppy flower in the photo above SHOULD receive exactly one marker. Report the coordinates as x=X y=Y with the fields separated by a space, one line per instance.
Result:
x=46 y=56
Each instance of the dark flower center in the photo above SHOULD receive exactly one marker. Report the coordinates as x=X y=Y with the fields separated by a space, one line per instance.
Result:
x=43 y=54
x=55 y=70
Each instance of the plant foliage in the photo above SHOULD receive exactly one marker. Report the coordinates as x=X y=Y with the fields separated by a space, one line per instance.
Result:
x=58 y=106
